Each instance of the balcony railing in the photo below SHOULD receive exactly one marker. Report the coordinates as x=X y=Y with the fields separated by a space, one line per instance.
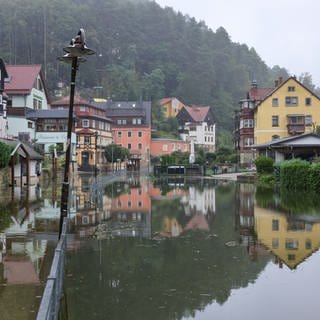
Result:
x=296 y=128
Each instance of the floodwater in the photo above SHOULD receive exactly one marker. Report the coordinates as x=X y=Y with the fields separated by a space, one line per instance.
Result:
x=28 y=226
x=191 y=249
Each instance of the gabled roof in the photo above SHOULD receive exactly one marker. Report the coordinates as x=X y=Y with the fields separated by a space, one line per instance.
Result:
x=258 y=94
x=19 y=147
x=21 y=78
x=76 y=101
x=303 y=140
x=197 y=113
x=281 y=84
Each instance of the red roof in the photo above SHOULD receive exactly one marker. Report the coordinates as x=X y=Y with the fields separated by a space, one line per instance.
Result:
x=165 y=101
x=22 y=78
x=197 y=113
x=259 y=94
x=65 y=101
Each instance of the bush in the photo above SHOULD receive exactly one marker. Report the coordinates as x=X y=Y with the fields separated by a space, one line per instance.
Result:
x=264 y=165
x=294 y=174
x=314 y=176
x=5 y=151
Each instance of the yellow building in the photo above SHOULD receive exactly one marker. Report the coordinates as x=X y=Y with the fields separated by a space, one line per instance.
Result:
x=290 y=240
x=289 y=109
x=171 y=106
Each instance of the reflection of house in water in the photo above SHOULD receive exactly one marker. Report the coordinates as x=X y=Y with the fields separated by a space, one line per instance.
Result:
x=198 y=207
x=245 y=200
x=89 y=205
x=200 y=201
x=290 y=238
x=131 y=211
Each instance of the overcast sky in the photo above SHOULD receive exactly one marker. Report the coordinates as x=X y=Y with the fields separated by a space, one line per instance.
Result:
x=283 y=32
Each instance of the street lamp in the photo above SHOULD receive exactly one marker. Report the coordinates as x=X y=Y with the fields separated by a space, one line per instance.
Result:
x=75 y=52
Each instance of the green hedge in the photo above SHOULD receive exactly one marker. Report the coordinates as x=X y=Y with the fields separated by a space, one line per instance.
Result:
x=294 y=174
x=264 y=165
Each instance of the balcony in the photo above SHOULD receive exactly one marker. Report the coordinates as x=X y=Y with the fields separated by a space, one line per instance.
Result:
x=296 y=128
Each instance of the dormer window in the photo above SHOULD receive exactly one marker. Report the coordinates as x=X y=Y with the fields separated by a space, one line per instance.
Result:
x=291 y=88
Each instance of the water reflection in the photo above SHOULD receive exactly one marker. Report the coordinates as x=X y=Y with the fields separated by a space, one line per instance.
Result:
x=25 y=249
x=179 y=248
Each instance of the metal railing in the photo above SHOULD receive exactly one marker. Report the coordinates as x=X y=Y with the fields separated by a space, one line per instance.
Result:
x=50 y=302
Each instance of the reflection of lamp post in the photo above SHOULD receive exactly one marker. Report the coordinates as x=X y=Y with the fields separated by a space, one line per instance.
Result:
x=75 y=52
x=96 y=153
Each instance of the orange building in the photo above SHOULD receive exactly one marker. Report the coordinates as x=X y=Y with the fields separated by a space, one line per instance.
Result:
x=171 y=107
x=161 y=147
x=131 y=126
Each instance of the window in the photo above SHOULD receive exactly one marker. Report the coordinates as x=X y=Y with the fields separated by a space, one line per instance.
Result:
x=308 y=102
x=173 y=146
x=139 y=146
x=291 y=101
x=291 y=88
x=275 y=137
x=308 y=244
x=129 y=146
x=275 y=121
x=248 y=123
x=164 y=147
x=296 y=119
x=119 y=134
x=86 y=139
x=275 y=243
x=275 y=102
x=139 y=134
x=292 y=244
x=129 y=134
x=93 y=123
x=248 y=141
x=275 y=225
x=308 y=120
x=82 y=108
x=85 y=123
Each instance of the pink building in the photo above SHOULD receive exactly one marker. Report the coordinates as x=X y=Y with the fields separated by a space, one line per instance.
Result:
x=161 y=147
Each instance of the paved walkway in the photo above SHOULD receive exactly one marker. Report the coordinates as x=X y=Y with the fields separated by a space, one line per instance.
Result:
x=230 y=176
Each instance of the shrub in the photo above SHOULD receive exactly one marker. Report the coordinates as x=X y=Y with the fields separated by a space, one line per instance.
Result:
x=294 y=174
x=5 y=151
x=264 y=165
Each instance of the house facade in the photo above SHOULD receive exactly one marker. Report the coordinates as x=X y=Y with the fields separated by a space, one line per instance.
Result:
x=51 y=127
x=161 y=147
x=93 y=132
x=197 y=123
x=171 y=106
x=267 y=114
x=131 y=126
x=26 y=90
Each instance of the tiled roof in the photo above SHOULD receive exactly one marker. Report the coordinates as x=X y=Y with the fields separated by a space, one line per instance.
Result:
x=198 y=113
x=21 y=78
x=165 y=100
x=49 y=113
x=65 y=101
x=259 y=94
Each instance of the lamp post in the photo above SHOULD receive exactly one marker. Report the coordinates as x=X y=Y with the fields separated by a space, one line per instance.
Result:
x=75 y=52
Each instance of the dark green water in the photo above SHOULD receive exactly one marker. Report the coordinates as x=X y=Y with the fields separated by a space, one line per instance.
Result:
x=192 y=250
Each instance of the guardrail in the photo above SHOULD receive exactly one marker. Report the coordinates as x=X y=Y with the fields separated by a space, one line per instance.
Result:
x=50 y=302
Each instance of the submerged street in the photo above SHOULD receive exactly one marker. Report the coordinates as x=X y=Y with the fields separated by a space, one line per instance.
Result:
x=174 y=248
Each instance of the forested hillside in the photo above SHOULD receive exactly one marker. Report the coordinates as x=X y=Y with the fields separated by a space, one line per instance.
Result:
x=142 y=51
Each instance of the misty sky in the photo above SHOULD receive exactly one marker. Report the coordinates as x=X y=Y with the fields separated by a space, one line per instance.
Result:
x=283 y=32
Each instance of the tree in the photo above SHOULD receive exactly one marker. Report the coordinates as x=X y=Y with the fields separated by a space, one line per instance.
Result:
x=113 y=152
x=5 y=152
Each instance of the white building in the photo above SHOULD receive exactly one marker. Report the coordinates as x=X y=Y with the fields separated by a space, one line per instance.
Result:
x=26 y=90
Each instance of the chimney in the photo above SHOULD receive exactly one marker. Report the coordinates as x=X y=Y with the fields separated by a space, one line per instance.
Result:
x=254 y=84
x=276 y=83
x=280 y=80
